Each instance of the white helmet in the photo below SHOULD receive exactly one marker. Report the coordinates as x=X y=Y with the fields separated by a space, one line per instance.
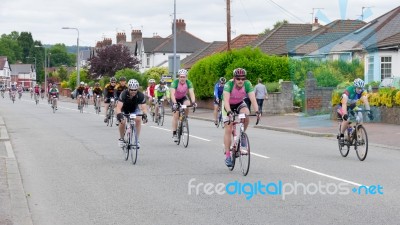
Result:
x=82 y=83
x=359 y=83
x=182 y=72
x=152 y=81
x=133 y=84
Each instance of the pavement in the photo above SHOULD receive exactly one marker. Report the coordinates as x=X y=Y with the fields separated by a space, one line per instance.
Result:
x=14 y=207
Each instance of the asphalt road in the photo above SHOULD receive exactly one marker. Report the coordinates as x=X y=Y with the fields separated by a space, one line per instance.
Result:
x=73 y=172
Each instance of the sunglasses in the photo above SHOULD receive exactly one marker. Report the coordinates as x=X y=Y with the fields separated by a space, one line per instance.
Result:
x=182 y=77
x=132 y=89
x=241 y=79
x=113 y=82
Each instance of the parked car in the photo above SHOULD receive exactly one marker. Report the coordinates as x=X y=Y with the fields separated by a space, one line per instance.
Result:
x=393 y=82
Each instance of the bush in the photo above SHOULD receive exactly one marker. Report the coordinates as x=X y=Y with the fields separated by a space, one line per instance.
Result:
x=273 y=87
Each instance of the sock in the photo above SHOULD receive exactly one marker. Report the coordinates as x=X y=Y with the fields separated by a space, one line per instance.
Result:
x=174 y=132
x=228 y=154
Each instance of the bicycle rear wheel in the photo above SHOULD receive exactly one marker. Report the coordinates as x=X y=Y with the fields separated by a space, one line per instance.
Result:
x=343 y=149
x=133 y=142
x=244 y=153
x=185 y=132
x=361 y=143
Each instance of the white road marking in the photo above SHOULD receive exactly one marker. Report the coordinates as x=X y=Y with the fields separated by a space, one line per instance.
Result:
x=9 y=149
x=329 y=176
x=261 y=156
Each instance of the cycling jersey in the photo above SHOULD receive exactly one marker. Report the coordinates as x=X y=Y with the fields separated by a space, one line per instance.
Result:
x=150 y=90
x=237 y=95
x=80 y=90
x=119 y=89
x=352 y=94
x=160 y=92
x=218 y=90
x=37 y=90
x=181 y=89
x=97 y=91
x=53 y=92
x=109 y=90
x=131 y=103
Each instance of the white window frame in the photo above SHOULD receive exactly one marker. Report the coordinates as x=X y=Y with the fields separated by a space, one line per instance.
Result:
x=386 y=67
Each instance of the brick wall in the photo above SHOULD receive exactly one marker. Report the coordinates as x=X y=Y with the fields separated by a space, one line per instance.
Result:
x=317 y=99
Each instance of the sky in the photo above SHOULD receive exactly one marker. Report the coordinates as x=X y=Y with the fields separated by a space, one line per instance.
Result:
x=205 y=19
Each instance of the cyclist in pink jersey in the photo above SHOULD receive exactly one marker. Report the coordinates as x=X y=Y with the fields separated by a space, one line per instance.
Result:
x=179 y=88
x=234 y=92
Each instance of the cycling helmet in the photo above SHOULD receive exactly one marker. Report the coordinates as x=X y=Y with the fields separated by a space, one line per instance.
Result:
x=183 y=72
x=239 y=72
x=133 y=84
x=54 y=85
x=112 y=79
x=222 y=80
x=82 y=83
x=152 y=81
x=96 y=84
x=359 y=83
x=162 y=81
x=122 y=79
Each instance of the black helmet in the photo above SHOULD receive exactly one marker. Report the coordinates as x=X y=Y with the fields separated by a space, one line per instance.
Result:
x=162 y=81
x=122 y=79
x=112 y=79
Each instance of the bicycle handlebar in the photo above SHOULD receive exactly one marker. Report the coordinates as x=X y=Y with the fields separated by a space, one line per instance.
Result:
x=235 y=114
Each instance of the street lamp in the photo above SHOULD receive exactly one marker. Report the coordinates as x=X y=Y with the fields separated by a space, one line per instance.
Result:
x=45 y=74
x=77 y=54
x=35 y=67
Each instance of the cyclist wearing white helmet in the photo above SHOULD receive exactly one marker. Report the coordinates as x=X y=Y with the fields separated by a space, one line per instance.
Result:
x=179 y=89
x=218 y=90
x=348 y=101
x=79 y=92
x=150 y=92
x=131 y=101
x=108 y=94
x=234 y=92
x=54 y=93
x=161 y=91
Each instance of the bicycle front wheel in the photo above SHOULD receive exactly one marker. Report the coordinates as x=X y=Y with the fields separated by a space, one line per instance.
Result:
x=185 y=132
x=343 y=149
x=162 y=112
x=54 y=105
x=179 y=131
x=133 y=143
x=361 y=143
x=244 y=153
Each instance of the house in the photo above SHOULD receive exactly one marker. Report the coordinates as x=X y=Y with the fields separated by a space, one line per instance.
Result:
x=5 y=73
x=23 y=74
x=376 y=44
x=208 y=50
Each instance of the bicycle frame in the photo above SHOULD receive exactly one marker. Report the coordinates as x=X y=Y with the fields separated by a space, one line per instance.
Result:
x=130 y=137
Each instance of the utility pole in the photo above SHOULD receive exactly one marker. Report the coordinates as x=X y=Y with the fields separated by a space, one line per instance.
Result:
x=228 y=23
x=174 y=70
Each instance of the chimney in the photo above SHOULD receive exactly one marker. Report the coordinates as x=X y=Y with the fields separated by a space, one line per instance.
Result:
x=121 y=37
x=315 y=25
x=136 y=35
x=180 y=25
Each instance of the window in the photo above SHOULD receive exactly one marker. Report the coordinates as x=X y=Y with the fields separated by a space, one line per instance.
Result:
x=147 y=60
x=370 y=68
x=386 y=67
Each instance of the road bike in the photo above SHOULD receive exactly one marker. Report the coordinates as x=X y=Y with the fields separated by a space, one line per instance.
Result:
x=219 y=117
x=13 y=96
x=240 y=147
x=80 y=103
x=182 y=130
x=36 y=98
x=130 y=147
x=152 y=109
x=110 y=112
x=355 y=135
x=161 y=112
x=97 y=104
x=54 y=103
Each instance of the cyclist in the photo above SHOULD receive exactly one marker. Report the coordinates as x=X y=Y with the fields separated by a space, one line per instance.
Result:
x=20 y=90
x=108 y=94
x=3 y=89
x=96 y=92
x=36 y=90
x=150 y=93
x=349 y=99
x=234 y=92
x=121 y=86
x=131 y=101
x=218 y=90
x=48 y=90
x=31 y=91
x=86 y=91
x=161 y=91
x=53 y=93
x=13 y=89
x=79 y=93
x=179 y=88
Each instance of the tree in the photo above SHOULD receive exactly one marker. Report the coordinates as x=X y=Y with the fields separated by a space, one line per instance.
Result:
x=110 y=59
x=9 y=47
x=60 y=56
x=25 y=41
x=155 y=73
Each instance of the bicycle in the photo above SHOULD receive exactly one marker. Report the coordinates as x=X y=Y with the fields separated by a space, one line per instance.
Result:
x=36 y=98
x=161 y=112
x=354 y=135
x=240 y=148
x=80 y=103
x=97 y=104
x=182 y=130
x=219 y=114
x=110 y=112
x=152 y=109
x=130 y=147
x=13 y=96
x=54 y=103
